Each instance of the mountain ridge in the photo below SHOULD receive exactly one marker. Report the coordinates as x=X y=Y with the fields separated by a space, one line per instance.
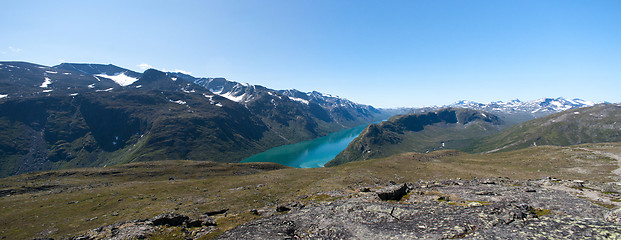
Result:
x=433 y=130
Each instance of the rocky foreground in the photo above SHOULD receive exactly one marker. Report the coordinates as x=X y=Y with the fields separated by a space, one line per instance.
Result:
x=497 y=208
x=475 y=209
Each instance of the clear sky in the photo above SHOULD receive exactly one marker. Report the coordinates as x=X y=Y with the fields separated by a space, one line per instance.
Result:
x=383 y=53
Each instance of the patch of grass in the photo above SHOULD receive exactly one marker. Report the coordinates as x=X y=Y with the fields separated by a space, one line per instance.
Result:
x=325 y=198
x=540 y=211
x=606 y=205
x=229 y=222
x=405 y=197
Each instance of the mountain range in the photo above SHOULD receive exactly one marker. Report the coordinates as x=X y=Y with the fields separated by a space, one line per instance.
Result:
x=77 y=115
x=80 y=114
x=538 y=108
x=516 y=111
x=512 y=112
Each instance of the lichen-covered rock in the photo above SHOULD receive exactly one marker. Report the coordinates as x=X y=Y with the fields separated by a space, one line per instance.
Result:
x=141 y=229
x=614 y=215
x=124 y=230
x=474 y=209
x=380 y=220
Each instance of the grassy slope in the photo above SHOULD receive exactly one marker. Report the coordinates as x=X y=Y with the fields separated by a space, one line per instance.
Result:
x=600 y=123
x=67 y=199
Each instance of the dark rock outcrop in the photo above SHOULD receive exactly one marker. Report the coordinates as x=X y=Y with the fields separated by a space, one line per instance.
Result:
x=170 y=219
x=204 y=220
x=216 y=212
x=394 y=192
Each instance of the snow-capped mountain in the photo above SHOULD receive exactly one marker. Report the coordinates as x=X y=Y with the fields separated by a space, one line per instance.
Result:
x=22 y=79
x=333 y=103
x=27 y=79
x=512 y=112
x=234 y=91
x=121 y=76
x=244 y=93
x=539 y=107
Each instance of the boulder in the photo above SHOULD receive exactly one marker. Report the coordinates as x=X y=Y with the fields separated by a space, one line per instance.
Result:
x=290 y=206
x=216 y=212
x=170 y=219
x=204 y=220
x=394 y=192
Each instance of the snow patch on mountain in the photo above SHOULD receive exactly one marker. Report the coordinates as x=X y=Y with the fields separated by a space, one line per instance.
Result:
x=120 y=78
x=211 y=100
x=186 y=91
x=231 y=96
x=233 y=91
x=107 y=90
x=181 y=102
x=47 y=82
x=299 y=100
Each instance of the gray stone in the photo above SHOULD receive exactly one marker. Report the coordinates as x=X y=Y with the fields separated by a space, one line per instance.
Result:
x=614 y=215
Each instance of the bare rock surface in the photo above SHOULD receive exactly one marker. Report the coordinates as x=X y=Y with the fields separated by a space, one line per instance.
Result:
x=142 y=229
x=474 y=209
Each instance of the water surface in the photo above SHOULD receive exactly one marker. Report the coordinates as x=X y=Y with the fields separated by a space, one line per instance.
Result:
x=309 y=154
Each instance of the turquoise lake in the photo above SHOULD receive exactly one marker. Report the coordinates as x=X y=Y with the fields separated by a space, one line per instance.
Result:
x=309 y=154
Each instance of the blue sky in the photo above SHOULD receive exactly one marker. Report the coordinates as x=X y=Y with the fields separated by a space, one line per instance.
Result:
x=383 y=53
